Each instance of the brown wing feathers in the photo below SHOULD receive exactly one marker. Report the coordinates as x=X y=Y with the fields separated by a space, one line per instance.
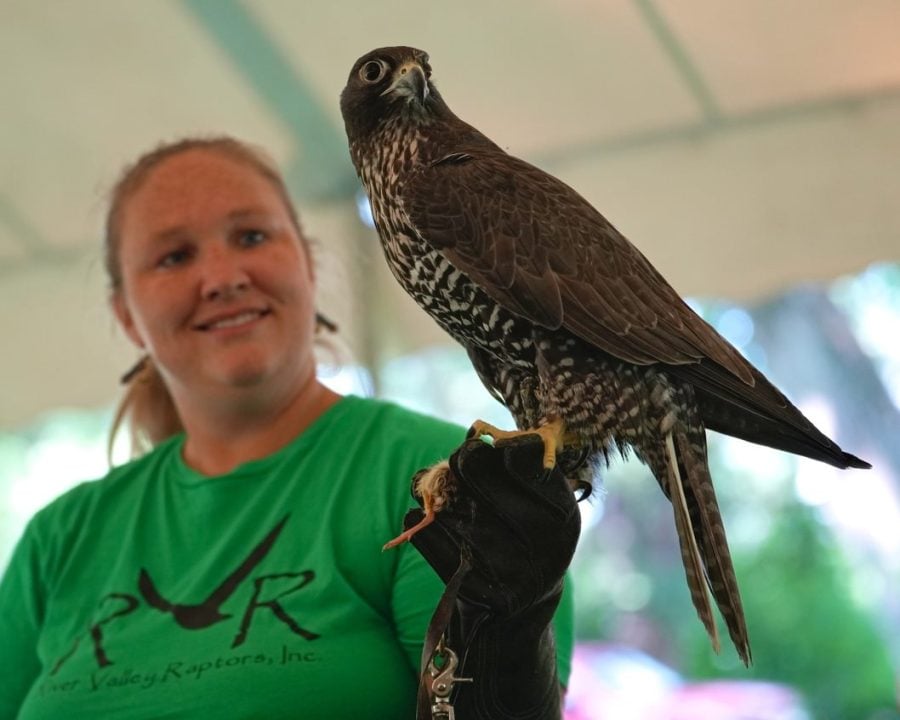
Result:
x=560 y=263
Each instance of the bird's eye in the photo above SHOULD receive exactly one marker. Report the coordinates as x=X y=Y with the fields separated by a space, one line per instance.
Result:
x=373 y=71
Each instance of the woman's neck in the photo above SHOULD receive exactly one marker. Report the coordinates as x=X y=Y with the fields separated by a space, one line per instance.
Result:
x=224 y=437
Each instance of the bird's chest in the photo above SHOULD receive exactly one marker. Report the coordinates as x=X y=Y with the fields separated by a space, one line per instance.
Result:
x=452 y=299
x=457 y=303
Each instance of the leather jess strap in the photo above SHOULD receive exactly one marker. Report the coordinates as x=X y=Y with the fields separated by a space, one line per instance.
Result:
x=435 y=682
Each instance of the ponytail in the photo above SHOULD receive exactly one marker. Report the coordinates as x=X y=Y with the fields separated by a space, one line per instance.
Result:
x=147 y=408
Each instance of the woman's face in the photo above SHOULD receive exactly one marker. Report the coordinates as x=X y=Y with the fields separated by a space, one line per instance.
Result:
x=217 y=286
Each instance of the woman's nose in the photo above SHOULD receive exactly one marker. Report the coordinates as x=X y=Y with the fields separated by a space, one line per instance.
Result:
x=223 y=275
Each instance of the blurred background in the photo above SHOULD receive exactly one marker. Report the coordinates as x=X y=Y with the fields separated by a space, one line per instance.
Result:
x=750 y=149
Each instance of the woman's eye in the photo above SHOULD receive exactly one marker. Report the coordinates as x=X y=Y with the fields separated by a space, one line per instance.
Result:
x=174 y=258
x=250 y=238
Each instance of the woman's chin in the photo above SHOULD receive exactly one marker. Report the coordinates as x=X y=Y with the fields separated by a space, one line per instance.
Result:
x=248 y=373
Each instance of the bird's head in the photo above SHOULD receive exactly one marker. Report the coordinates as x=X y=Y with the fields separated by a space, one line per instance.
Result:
x=384 y=83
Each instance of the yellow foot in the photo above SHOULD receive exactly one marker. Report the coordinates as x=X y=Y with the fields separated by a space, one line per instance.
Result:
x=434 y=487
x=553 y=434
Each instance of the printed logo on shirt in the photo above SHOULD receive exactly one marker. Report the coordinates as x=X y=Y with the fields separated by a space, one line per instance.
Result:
x=197 y=617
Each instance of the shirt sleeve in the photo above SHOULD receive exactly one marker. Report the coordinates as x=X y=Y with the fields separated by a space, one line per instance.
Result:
x=20 y=622
x=416 y=593
x=564 y=631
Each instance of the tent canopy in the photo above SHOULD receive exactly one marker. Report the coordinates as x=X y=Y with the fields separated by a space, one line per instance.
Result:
x=743 y=146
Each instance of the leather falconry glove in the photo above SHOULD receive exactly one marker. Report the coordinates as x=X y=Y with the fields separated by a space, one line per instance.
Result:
x=516 y=525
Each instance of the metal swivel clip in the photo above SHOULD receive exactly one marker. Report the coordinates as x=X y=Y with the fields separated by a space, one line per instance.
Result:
x=442 y=682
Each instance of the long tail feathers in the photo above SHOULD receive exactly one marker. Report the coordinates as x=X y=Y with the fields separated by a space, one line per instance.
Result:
x=690 y=552
x=704 y=549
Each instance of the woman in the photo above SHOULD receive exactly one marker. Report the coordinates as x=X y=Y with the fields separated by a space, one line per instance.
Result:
x=236 y=569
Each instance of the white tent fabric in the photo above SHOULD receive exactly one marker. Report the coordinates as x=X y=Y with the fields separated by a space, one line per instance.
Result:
x=743 y=146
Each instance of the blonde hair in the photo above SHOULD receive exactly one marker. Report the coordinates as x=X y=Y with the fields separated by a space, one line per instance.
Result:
x=147 y=406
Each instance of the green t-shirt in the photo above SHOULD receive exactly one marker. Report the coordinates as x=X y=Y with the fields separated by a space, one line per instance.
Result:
x=263 y=593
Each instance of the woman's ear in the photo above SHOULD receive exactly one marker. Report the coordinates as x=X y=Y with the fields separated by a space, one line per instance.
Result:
x=126 y=320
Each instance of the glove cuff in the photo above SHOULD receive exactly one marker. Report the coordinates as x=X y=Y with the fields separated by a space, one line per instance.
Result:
x=511 y=660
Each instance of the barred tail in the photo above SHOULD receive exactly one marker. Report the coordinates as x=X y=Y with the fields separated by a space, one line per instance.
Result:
x=701 y=534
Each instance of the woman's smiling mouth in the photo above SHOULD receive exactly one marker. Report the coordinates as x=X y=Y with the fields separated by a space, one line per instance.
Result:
x=233 y=320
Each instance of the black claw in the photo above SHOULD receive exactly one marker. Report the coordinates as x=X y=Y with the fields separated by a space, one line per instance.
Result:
x=584 y=491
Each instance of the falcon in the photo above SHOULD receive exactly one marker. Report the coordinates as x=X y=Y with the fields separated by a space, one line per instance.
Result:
x=565 y=321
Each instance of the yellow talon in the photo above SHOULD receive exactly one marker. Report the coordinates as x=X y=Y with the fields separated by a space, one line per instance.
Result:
x=435 y=484
x=552 y=434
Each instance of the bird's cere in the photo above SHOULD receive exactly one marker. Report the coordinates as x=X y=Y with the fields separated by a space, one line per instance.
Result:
x=410 y=82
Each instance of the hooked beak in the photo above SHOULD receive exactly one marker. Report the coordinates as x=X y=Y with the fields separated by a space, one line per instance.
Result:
x=409 y=82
